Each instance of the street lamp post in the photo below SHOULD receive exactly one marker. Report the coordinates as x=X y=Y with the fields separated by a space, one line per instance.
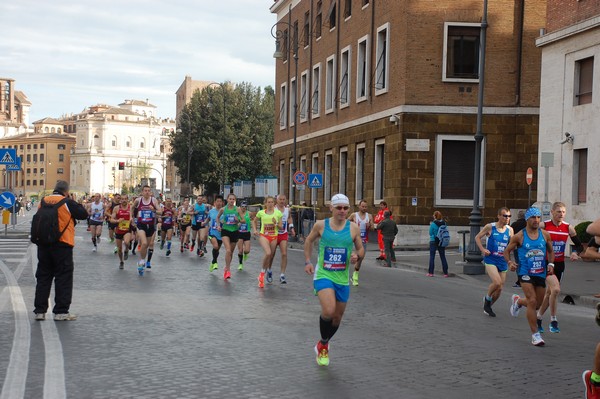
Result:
x=473 y=257
x=190 y=150
x=280 y=35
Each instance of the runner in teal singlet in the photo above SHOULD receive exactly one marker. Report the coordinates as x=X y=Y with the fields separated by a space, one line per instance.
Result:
x=337 y=236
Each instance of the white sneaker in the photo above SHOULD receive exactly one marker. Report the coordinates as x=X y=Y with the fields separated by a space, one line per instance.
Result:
x=40 y=316
x=65 y=317
x=537 y=340
x=94 y=249
x=514 y=307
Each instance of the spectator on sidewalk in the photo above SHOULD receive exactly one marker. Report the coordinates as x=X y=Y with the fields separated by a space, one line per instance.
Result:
x=388 y=229
x=434 y=245
x=308 y=214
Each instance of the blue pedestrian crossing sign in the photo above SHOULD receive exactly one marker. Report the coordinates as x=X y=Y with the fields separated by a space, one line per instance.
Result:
x=7 y=199
x=8 y=156
x=315 y=180
x=15 y=166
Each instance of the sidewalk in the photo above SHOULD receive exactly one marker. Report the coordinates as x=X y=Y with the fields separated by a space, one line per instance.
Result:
x=581 y=280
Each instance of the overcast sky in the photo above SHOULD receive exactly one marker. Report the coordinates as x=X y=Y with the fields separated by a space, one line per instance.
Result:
x=66 y=55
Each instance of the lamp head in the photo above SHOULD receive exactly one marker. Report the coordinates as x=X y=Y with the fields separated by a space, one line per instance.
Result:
x=277 y=54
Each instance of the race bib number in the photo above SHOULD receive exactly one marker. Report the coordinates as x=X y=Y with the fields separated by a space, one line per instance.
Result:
x=334 y=259
x=535 y=261
x=147 y=215
x=200 y=217
x=186 y=219
x=97 y=215
x=168 y=220
x=230 y=219
x=269 y=229
x=124 y=225
x=243 y=227
x=501 y=249
x=213 y=225
x=559 y=248
x=363 y=235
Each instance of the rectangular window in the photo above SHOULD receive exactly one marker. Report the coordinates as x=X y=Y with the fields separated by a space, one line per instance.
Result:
x=316 y=82
x=34 y=182
x=28 y=146
x=455 y=170
x=41 y=170
x=301 y=197
x=21 y=147
x=29 y=182
x=327 y=177
x=343 y=170
x=293 y=99
x=383 y=59
x=41 y=157
x=28 y=157
x=332 y=15
x=28 y=170
x=34 y=171
x=35 y=146
x=35 y=158
x=362 y=69
x=319 y=19
x=314 y=168
x=330 y=85
x=60 y=171
x=41 y=146
x=379 y=176
x=286 y=47
x=580 y=159
x=584 y=70
x=304 y=96
x=359 y=192
x=345 y=77
x=461 y=52
x=281 y=177
x=306 y=28
x=283 y=107
x=365 y=3
x=60 y=147
x=61 y=157
x=347 y=9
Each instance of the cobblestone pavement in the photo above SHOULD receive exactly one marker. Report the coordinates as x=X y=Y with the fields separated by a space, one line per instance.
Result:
x=183 y=332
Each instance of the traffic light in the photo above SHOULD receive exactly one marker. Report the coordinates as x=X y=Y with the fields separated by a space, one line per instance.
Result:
x=121 y=165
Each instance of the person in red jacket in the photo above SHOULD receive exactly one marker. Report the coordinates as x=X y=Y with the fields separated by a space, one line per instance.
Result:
x=378 y=218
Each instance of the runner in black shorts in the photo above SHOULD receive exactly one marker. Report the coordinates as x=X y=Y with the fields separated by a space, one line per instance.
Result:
x=244 y=235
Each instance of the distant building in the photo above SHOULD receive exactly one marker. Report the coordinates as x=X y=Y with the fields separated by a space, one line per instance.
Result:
x=186 y=91
x=14 y=109
x=570 y=106
x=44 y=158
x=107 y=135
x=385 y=99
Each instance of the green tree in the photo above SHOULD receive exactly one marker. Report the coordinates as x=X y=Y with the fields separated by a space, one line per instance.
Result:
x=241 y=147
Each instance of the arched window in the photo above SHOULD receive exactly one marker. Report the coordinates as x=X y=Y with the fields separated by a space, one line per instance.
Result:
x=46 y=129
x=96 y=141
x=114 y=141
x=128 y=142
x=143 y=143
x=52 y=130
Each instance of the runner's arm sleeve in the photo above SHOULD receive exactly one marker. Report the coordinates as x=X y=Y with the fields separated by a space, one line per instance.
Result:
x=578 y=245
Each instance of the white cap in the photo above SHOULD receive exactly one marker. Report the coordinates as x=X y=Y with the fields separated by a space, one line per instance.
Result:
x=340 y=199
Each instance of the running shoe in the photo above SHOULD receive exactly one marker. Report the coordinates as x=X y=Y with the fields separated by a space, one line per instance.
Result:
x=181 y=249
x=261 y=280
x=112 y=240
x=126 y=255
x=554 y=327
x=139 y=247
x=226 y=275
x=64 y=317
x=429 y=274
x=539 y=326
x=141 y=265
x=241 y=267
x=514 y=307
x=116 y=250
x=282 y=279
x=192 y=247
x=355 y=278
x=94 y=248
x=40 y=316
x=186 y=246
x=98 y=240
x=269 y=277
x=322 y=352
x=148 y=266
x=121 y=265
x=200 y=252
x=214 y=266
x=592 y=391
x=487 y=308
x=536 y=339
x=168 y=252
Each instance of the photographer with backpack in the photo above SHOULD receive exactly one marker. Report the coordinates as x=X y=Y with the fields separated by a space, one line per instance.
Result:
x=439 y=238
x=53 y=231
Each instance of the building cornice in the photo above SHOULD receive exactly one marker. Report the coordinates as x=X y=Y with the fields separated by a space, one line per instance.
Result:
x=411 y=109
x=568 y=31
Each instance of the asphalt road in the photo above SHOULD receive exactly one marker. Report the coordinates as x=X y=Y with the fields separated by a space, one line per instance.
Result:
x=183 y=332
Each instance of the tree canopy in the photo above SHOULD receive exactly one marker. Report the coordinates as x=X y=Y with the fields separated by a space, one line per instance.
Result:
x=237 y=143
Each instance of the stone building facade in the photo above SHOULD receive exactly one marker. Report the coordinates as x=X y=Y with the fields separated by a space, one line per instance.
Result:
x=386 y=100
x=570 y=106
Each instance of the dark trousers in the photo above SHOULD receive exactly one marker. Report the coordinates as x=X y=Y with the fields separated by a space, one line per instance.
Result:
x=55 y=263
x=432 y=249
x=390 y=255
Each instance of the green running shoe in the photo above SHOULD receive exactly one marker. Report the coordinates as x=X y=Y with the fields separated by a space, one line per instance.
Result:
x=322 y=352
x=241 y=267
x=214 y=266
x=355 y=278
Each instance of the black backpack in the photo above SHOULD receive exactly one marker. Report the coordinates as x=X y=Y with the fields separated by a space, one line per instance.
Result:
x=45 y=229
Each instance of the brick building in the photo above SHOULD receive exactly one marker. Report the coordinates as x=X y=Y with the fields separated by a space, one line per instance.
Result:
x=386 y=102
x=14 y=109
x=569 y=104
